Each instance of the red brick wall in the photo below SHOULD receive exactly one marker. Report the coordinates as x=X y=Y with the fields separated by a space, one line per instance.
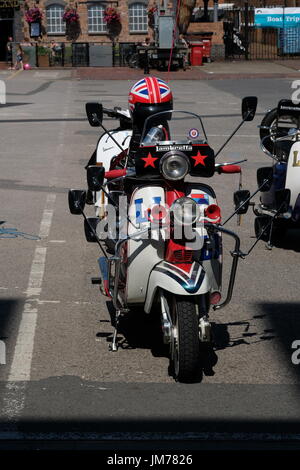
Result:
x=216 y=28
x=124 y=36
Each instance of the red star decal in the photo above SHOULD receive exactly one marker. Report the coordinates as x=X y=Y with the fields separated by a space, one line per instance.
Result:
x=149 y=161
x=199 y=159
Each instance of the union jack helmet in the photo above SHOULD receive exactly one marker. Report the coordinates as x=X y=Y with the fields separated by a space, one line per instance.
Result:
x=151 y=91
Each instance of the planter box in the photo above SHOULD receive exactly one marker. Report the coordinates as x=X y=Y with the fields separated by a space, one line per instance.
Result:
x=43 y=60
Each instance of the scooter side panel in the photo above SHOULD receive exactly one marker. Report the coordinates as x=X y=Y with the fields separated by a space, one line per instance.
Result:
x=106 y=151
x=107 y=148
x=144 y=254
x=293 y=173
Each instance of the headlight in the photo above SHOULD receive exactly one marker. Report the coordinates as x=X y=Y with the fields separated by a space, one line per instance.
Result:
x=174 y=165
x=185 y=211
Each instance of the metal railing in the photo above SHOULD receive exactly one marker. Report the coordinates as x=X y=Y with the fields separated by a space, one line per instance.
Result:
x=244 y=40
x=77 y=54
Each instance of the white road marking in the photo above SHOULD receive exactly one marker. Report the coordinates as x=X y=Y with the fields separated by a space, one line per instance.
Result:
x=47 y=216
x=20 y=369
x=45 y=74
x=21 y=365
x=19 y=375
x=57 y=241
x=15 y=115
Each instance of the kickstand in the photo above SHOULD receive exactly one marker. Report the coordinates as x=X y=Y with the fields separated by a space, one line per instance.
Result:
x=114 y=345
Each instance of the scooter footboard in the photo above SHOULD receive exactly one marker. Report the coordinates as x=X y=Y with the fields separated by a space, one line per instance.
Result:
x=172 y=278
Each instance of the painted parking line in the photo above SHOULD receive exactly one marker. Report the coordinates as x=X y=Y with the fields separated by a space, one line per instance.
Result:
x=22 y=358
x=14 y=74
x=14 y=399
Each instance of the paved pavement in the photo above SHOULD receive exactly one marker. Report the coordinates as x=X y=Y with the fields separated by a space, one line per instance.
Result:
x=220 y=70
x=209 y=71
x=60 y=380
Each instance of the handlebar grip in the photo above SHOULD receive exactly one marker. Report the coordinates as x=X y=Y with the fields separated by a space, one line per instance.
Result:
x=229 y=169
x=115 y=174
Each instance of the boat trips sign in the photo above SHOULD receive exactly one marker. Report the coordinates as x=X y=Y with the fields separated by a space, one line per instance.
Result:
x=277 y=17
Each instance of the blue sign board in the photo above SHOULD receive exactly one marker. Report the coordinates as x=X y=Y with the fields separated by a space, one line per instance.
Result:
x=277 y=17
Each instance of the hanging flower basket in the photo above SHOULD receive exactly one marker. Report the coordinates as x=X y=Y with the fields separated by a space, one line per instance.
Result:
x=71 y=16
x=111 y=16
x=151 y=12
x=33 y=15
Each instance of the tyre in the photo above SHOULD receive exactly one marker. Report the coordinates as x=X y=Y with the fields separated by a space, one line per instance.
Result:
x=285 y=123
x=185 y=350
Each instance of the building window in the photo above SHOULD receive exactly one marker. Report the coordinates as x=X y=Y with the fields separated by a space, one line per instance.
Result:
x=138 y=18
x=96 y=19
x=55 y=23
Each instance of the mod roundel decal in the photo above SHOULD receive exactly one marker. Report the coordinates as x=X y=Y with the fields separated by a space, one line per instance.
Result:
x=194 y=133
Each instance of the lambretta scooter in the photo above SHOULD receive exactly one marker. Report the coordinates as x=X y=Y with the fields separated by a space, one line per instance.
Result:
x=279 y=183
x=167 y=232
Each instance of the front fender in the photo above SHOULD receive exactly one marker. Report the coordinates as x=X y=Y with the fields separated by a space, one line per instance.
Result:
x=172 y=279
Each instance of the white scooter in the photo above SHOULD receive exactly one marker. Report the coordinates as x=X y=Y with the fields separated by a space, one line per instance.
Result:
x=279 y=184
x=167 y=232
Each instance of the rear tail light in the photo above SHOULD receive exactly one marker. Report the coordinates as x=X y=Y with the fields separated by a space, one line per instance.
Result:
x=213 y=213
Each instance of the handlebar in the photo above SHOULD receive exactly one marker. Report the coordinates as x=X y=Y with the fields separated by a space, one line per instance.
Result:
x=110 y=112
x=122 y=173
x=115 y=174
x=228 y=169
x=114 y=113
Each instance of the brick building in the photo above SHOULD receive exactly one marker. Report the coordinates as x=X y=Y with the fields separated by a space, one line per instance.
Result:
x=91 y=27
x=133 y=24
x=132 y=27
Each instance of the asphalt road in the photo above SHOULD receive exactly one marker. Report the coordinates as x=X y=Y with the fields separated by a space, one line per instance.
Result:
x=60 y=380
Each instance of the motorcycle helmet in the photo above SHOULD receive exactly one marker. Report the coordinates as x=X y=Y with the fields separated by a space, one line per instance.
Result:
x=149 y=96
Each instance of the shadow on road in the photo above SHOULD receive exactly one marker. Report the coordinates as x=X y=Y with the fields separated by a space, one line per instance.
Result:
x=284 y=317
x=290 y=241
x=223 y=340
x=8 y=312
x=139 y=330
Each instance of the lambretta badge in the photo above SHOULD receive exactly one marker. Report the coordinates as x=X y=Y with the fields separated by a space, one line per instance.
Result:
x=296 y=161
x=167 y=148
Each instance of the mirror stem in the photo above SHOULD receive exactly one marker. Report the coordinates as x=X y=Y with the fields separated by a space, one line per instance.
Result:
x=230 y=137
x=94 y=233
x=245 y=202
x=112 y=138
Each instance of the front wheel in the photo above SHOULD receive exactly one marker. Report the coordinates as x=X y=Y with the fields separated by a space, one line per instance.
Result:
x=185 y=347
